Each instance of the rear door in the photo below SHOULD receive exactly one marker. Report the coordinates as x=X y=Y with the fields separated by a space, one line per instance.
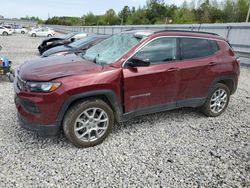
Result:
x=39 y=32
x=157 y=84
x=197 y=69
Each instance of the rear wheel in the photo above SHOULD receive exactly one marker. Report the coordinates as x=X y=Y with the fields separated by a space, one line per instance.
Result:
x=5 y=33
x=217 y=101
x=88 y=123
x=49 y=35
x=33 y=35
x=22 y=32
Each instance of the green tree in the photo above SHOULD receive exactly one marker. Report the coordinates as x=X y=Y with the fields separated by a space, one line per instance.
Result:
x=90 y=19
x=124 y=14
x=229 y=11
x=184 y=15
x=110 y=18
x=241 y=10
x=138 y=18
x=156 y=11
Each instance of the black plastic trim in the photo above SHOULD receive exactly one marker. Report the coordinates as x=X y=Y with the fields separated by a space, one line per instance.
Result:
x=42 y=130
x=224 y=78
x=195 y=102
x=109 y=94
x=27 y=105
x=149 y=110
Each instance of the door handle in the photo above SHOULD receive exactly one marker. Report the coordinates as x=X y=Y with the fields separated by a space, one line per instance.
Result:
x=173 y=69
x=212 y=63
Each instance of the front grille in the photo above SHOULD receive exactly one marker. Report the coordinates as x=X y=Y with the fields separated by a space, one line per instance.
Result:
x=20 y=83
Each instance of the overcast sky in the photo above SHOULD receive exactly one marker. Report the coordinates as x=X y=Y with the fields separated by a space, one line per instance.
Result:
x=43 y=8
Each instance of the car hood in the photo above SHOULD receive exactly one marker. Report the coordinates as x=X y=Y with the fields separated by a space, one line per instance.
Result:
x=45 y=69
x=56 y=49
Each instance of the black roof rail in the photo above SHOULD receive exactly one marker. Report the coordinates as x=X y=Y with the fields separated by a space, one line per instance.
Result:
x=185 y=31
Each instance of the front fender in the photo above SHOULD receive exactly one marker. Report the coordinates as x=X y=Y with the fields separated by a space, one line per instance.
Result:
x=109 y=94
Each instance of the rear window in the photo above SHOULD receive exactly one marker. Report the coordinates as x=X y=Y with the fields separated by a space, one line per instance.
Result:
x=194 y=48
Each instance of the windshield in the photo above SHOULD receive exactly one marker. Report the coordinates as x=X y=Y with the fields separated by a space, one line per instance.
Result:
x=82 y=42
x=68 y=36
x=112 y=49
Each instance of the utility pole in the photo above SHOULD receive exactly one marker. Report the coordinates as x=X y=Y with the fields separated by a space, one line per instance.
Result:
x=247 y=19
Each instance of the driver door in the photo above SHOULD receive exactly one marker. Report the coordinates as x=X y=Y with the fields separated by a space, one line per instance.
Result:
x=156 y=85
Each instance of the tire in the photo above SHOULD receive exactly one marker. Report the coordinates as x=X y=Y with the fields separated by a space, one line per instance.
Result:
x=11 y=77
x=5 y=33
x=33 y=35
x=22 y=32
x=49 y=35
x=217 y=100
x=90 y=131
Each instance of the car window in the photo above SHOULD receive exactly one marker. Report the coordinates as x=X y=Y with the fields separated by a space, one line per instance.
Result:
x=112 y=49
x=82 y=42
x=194 y=48
x=213 y=45
x=159 y=51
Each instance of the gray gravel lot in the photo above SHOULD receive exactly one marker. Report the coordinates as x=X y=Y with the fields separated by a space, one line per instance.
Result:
x=180 y=148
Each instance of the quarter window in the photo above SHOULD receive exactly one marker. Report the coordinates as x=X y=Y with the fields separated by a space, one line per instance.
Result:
x=195 y=48
x=159 y=51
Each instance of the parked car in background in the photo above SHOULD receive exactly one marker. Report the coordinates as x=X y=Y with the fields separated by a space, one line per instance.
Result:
x=58 y=41
x=20 y=29
x=78 y=46
x=41 y=32
x=130 y=74
x=9 y=27
x=52 y=30
x=5 y=31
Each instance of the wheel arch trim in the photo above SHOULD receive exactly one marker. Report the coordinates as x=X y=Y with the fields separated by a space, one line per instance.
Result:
x=112 y=98
x=220 y=79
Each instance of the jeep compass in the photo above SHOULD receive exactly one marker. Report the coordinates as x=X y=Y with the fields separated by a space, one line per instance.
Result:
x=132 y=73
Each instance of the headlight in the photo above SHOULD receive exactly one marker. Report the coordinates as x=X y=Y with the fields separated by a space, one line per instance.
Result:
x=42 y=86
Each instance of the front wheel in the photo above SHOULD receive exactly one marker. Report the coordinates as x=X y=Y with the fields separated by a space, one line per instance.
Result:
x=49 y=35
x=22 y=32
x=5 y=33
x=217 y=100
x=88 y=123
x=33 y=35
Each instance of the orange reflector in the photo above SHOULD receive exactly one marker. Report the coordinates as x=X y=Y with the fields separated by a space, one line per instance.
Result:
x=54 y=86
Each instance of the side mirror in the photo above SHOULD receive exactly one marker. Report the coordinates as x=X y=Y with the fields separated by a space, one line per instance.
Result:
x=136 y=62
x=72 y=39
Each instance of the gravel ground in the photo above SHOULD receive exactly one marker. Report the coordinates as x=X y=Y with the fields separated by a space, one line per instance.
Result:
x=180 y=148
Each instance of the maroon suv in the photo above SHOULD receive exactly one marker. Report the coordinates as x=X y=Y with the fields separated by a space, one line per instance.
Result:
x=130 y=74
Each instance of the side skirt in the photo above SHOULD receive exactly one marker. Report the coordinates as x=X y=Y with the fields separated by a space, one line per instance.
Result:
x=196 y=102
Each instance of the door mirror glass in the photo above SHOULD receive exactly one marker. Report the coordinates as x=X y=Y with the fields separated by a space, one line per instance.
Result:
x=136 y=62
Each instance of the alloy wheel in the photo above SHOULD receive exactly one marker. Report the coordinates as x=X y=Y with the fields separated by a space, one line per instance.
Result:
x=218 y=101
x=91 y=124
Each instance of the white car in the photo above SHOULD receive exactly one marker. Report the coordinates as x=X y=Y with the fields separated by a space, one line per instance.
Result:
x=5 y=31
x=9 y=27
x=21 y=30
x=52 y=30
x=41 y=32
